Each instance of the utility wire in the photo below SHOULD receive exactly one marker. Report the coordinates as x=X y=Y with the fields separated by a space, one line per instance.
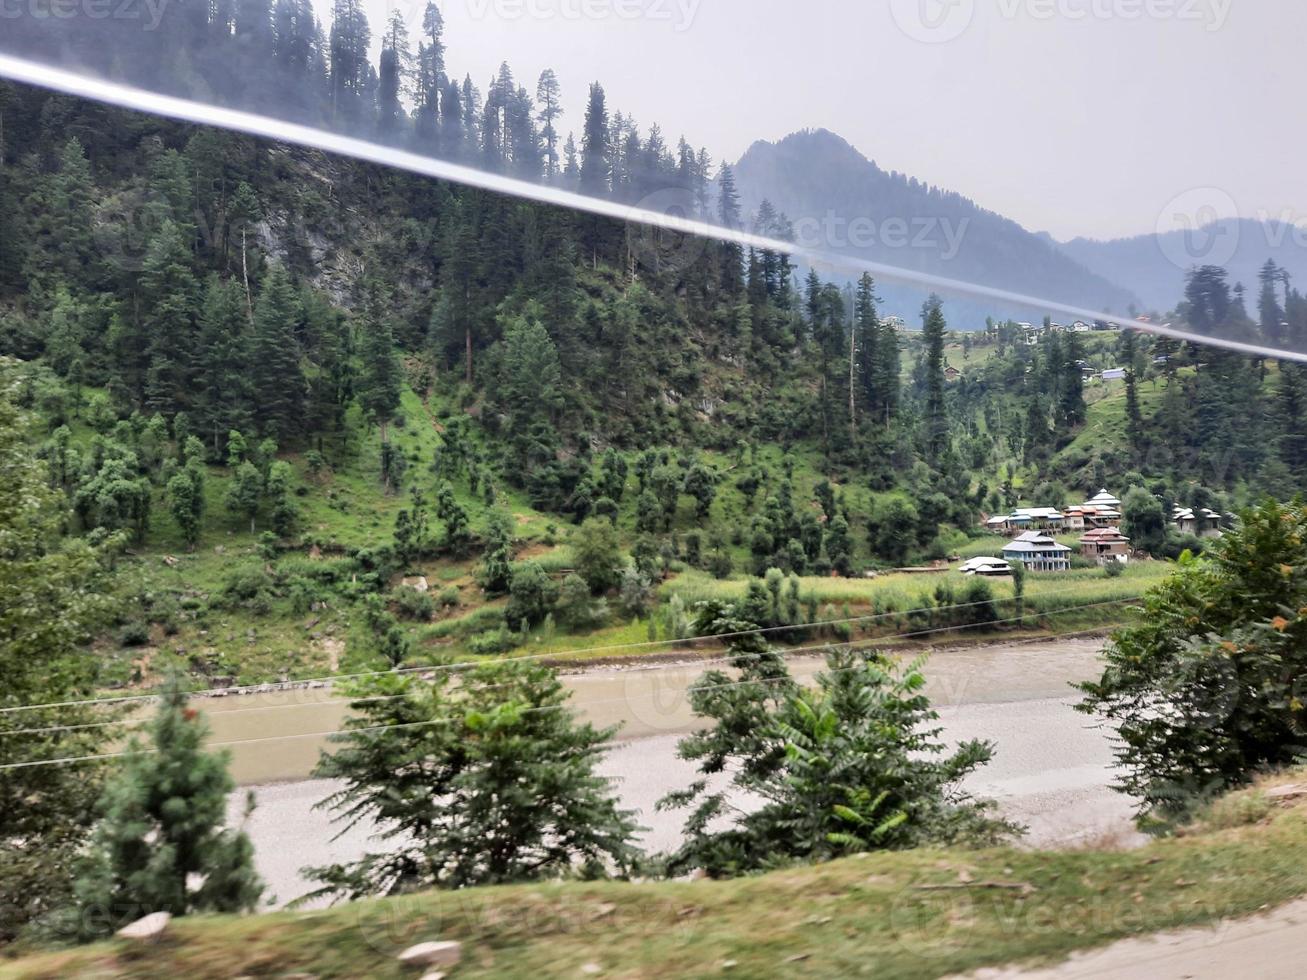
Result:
x=469 y=664
x=853 y=646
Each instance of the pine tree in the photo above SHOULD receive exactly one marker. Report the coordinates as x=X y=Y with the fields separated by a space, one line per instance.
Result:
x=489 y=780
x=867 y=348
x=395 y=77
x=61 y=233
x=276 y=379
x=596 y=162
x=170 y=297
x=730 y=216
x=223 y=399
x=379 y=384
x=431 y=81
x=162 y=845
x=1072 y=408
x=936 y=420
x=1133 y=415
x=549 y=95
x=1271 y=314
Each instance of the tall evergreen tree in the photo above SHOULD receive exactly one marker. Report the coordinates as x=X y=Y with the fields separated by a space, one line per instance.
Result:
x=549 y=95
x=169 y=297
x=596 y=165
x=162 y=845
x=1133 y=414
x=729 y=214
x=395 y=78
x=936 y=418
x=223 y=399
x=276 y=378
x=430 y=80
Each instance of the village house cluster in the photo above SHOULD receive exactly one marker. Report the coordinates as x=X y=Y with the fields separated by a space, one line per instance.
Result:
x=1032 y=532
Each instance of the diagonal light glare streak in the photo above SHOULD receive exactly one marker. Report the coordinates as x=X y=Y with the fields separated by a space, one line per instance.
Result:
x=202 y=113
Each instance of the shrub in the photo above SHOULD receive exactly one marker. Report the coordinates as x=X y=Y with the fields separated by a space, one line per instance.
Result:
x=134 y=635
x=636 y=592
x=856 y=764
x=1205 y=691
x=249 y=587
x=531 y=595
x=720 y=565
x=415 y=605
x=577 y=608
x=501 y=640
x=596 y=554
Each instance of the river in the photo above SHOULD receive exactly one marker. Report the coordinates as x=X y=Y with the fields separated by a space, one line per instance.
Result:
x=1051 y=770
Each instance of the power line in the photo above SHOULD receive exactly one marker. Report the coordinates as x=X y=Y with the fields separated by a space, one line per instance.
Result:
x=852 y=646
x=470 y=664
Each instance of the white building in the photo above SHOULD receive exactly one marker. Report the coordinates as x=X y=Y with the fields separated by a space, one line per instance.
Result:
x=1039 y=553
x=986 y=567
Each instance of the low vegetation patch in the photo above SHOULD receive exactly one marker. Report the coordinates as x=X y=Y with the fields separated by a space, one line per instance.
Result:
x=912 y=914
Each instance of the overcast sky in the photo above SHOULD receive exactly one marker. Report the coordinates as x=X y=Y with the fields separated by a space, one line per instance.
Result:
x=1078 y=117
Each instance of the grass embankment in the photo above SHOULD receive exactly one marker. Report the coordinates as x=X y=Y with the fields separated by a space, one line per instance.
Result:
x=914 y=914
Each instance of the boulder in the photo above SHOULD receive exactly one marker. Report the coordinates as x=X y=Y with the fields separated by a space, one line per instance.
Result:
x=432 y=954
x=146 y=929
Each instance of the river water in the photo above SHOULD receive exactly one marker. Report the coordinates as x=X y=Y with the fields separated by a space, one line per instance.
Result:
x=1051 y=771
x=278 y=736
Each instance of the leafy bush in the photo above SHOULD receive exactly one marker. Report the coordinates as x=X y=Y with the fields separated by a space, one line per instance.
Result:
x=501 y=640
x=1206 y=691
x=415 y=605
x=577 y=608
x=852 y=765
x=531 y=594
x=134 y=635
x=249 y=587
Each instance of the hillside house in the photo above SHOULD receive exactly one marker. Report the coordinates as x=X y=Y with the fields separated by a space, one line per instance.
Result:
x=1103 y=499
x=1039 y=553
x=986 y=567
x=1114 y=374
x=1105 y=544
x=1026 y=519
x=1202 y=523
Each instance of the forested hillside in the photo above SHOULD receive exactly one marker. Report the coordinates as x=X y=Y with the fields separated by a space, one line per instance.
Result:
x=286 y=383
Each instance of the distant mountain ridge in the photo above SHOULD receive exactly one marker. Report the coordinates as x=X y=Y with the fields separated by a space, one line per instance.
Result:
x=1154 y=266
x=840 y=200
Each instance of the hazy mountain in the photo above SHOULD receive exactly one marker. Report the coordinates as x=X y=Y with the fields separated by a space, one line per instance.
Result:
x=1153 y=266
x=840 y=200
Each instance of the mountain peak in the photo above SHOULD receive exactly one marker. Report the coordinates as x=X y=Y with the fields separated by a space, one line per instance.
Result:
x=829 y=188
